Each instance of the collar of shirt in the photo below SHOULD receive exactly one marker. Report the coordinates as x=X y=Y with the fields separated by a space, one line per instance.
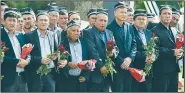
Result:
x=55 y=27
x=119 y=25
x=142 y=32
x=8 y=31
x=77 y=42
x=169 y=27
x=40 y=35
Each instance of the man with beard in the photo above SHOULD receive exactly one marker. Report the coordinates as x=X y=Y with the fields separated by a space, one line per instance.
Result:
x=29 y=19
x=165 y=69
x=126 y=43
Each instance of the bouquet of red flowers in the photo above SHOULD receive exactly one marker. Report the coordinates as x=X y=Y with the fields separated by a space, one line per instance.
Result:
x=87 y=65
x=63 y=54
x=3 y=49
x=179 y=41
x=26 y=49
x=150 y=50
x=138 y=74
x=108 y=61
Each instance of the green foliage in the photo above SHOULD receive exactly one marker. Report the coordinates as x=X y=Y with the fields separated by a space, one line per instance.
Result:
x=43 y=70
x=108 y=65
x=150 y=52
x=2 y=77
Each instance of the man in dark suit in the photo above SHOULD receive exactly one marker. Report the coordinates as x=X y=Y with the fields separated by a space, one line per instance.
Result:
x=96 y=39
x=13 y=66
x=166 y=67
x=44 y=44
x=126 y=43
x=142 y=36
x=62 y=22
x=77 y=78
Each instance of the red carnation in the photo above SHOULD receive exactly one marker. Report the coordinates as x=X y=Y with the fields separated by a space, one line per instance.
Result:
x=110 y=45
x=3 y=43
x=61 y=48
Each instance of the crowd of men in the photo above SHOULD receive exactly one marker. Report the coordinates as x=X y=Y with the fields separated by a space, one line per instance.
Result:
x=55 y=26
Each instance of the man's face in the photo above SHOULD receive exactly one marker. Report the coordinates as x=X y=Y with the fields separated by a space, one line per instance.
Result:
x=130 y=17
x=174 y=21
x=2 y=11
x=29 y=21
x=63 y=19
x=166 y=16
x=92 y=19
x=20 y=24
x=42 y=22
x=73 y=33
x=121 y=14
x=53 y=17
x=75 y=17
x=140 y=22
x=11 y=23
x=101 y=22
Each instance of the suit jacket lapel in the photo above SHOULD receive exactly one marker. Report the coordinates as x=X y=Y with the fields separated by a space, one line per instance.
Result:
x=50 y=42
x=98 y=34
x=20 y=39
x=137 y=34
x=165 y=32
x=36 y=37
x=7 y=40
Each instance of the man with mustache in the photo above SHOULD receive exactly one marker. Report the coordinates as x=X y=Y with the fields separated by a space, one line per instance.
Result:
x=29 y=19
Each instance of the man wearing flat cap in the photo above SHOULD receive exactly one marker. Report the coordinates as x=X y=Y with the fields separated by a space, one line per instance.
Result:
x=142 y=36
x=126 y=43
x=13 y=66
x=44 y=44
x=96 y=38
x=165 y=69
x=91 y=15
x=29 y=19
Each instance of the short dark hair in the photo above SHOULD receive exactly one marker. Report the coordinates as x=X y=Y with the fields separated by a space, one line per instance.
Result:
x=63 y=13
x=10 y=14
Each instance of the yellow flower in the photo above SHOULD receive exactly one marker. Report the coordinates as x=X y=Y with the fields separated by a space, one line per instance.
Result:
x=2 y=54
